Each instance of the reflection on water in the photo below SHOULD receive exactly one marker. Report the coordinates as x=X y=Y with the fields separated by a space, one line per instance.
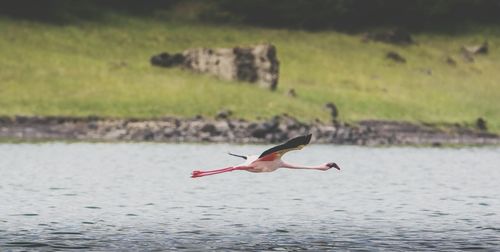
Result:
x=139 y=197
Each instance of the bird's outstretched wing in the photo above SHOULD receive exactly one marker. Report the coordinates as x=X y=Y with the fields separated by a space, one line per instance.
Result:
x=296 y=143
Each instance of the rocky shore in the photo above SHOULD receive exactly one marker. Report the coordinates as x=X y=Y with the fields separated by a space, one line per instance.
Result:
x=199 y=129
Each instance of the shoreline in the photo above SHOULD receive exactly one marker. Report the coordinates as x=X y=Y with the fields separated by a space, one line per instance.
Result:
x=209 y=130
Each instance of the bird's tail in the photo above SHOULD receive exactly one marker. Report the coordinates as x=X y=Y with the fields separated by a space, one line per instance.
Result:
x=236 y=155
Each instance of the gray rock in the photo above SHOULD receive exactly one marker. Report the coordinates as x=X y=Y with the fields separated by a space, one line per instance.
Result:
x=394 y=56
x=224 y=114
x=450 y=61
x=256 y=64
x=334 y=112
x=166 y=60
x=276 y=129
x=209 y=128
x=481 y=124
x=291 y=93
x=476 y=49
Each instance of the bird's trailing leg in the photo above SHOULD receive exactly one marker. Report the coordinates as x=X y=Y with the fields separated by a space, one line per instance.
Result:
x=196 y=174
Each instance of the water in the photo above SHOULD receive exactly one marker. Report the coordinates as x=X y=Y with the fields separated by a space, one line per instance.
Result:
x=115 y=197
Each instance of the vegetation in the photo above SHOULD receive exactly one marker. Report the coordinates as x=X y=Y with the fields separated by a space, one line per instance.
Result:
x=102 y=68
x=356 y=14
x=303 y=14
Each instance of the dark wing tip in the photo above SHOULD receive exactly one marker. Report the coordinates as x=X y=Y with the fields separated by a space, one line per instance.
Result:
x=290 y=144
x=300 y=140
x=308 y=138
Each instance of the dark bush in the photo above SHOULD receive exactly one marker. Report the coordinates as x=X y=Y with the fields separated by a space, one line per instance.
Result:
x=303 y=14
x=71 y=10
x=311 y=14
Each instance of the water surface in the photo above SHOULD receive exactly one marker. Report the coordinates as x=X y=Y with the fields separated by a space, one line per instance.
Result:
x=114 y=197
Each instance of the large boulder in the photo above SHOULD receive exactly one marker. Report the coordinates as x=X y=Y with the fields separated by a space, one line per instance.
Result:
x=167 y=60
x=256 y=64
x=396 y=57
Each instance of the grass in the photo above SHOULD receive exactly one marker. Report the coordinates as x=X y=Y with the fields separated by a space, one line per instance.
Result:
x=102 y=68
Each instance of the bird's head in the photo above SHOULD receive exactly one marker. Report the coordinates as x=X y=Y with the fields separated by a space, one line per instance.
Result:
x=333 y=165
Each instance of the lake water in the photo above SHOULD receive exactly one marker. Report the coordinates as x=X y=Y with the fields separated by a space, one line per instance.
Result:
x=138 y=196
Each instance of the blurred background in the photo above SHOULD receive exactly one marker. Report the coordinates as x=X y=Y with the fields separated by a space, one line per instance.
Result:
x=83 y=58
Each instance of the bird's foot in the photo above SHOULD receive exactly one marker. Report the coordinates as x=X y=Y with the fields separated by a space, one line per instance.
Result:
x=196 y=174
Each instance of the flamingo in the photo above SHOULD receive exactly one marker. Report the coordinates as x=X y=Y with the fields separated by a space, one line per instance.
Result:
x=269 y=160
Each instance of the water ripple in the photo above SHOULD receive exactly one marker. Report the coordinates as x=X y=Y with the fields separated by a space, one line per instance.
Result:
x=137 y=197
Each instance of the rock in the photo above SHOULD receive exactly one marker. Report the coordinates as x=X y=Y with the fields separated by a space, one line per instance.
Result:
x=450 y=61
x=170 y=132
x=476 y=49
x=395 y=57
x=166 y=60
x=334 y=112
x=259 y=132
x=276 y=137
x=468 y=52
x=5 y=119
x=148 y=135
x=223 y=127
x=224 y=114
x=177 y=122
x=256 y=64
x=209 y=128
x=481 y=124
x=267 y=65
x=396 y=36
x=467 y=57
x=266 y=128
x=92 y=125
x=115 y=134
x=276 y=129
x=437 y=144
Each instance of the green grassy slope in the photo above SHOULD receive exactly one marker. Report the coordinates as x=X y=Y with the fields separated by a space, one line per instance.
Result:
x=103 y=68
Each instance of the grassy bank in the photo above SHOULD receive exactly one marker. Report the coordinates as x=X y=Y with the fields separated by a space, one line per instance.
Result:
x=102 y=68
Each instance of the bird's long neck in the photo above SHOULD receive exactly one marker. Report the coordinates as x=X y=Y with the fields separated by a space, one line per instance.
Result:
x=292 y=166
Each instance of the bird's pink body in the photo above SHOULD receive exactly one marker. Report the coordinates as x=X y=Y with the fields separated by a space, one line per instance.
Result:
x=270 y=160
x=255 y=165
x=259 y=166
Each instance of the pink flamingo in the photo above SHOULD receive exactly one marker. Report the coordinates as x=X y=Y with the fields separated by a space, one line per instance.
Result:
x=270 y=160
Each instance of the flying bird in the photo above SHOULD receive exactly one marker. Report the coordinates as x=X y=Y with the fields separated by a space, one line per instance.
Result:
x=270 y=160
